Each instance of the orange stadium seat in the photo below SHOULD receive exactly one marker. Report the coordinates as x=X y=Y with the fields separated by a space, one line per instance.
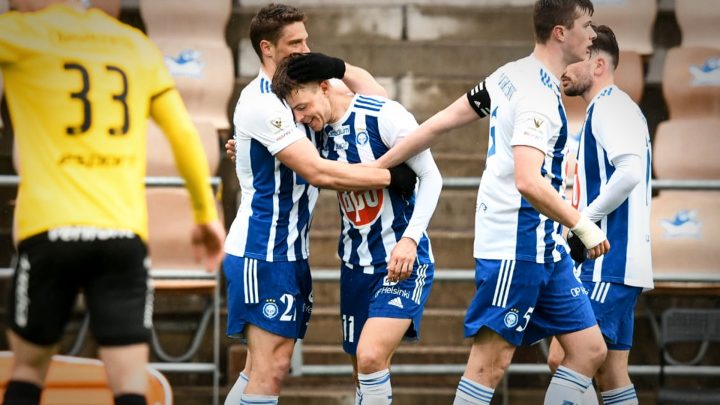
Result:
x=82 y=381
x=631 y=20
x=191 y=34
x=691 y=82
x=687 y=149
x=698 y=21
x=685 y=228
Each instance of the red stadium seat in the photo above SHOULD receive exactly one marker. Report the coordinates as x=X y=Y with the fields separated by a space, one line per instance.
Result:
x=691 y=82
x=687 y=149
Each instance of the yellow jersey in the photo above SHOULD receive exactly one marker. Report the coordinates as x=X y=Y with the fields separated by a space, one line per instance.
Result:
x=80 y=86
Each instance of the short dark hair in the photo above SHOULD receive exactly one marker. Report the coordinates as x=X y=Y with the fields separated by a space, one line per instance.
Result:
x=282 y=84
x=550 y=13
x=269 y=22
x=606 y=42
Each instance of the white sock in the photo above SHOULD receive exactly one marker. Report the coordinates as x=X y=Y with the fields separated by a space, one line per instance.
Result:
x=590 y=396
x=250 y=399
x=358 y=396
x=470 y=392
x=375 y=388
x=233 y=397
x=566 y=387
x=620 y=396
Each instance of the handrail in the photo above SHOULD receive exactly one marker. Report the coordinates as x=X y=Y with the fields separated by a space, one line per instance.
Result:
x=657 y=184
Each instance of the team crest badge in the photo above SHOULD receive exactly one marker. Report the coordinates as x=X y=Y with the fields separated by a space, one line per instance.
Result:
x=270 y=309
x=511 y=319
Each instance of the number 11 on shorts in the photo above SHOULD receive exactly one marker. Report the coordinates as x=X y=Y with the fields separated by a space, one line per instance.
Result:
x=348 y=328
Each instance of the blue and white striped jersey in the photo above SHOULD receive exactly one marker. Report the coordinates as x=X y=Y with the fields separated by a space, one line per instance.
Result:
x=615 y=126
x=374 y=220
x=526 y=109
x=276 y=206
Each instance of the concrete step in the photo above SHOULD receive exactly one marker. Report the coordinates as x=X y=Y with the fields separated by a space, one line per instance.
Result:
x=452 y=249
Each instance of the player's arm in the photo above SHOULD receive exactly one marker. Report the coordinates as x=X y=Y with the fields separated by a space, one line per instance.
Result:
x=303 y=158
x=538 y=192
x=359 y=80
x=472 y=106
x=316 y=66
x=627 y=175
x=168 y=110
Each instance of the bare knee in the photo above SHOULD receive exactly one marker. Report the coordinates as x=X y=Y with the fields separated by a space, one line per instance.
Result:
x=370 y=360
x=555 y=358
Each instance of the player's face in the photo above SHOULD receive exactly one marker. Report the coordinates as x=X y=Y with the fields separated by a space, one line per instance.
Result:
x=579 y=38
x=293 y=39
x=578 y=78
x=310 y=105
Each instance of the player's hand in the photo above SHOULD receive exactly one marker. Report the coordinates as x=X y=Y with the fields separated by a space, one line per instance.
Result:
x=207 y=243
x=578 y=251
x=402 y=260
x=230 y=149
x=403 y=180
x=313 y=66
x=592 y=237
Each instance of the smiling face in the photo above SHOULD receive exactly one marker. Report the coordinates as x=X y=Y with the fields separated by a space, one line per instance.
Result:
x=293 y=39
x=311 y=105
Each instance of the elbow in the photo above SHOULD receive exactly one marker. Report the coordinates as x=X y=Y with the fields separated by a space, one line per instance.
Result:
x=524 y=185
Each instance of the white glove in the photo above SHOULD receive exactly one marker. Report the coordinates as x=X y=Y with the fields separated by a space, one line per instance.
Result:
x=589 y=233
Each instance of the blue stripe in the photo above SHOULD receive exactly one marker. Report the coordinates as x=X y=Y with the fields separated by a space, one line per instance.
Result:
x=526 y=239
x=592 y=165
x=564 y=375
x=366 y=108
x=262 y=165
x=472 y=390
x=375 y=381
x=371 y=100
x=285 y=205
x=377 y=146
x=351 y=152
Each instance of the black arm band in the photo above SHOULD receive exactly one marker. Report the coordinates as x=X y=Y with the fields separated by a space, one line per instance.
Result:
x=479 y=99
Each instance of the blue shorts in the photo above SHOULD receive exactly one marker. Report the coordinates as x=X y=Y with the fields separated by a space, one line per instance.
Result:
x=274 y=296
x=525 y=302
x=614 y=307
x=364 y=296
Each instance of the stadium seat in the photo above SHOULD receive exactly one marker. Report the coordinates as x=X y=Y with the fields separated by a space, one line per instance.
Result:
x=687 y=149
x=82 y=381
x=685 y=228
x=679 y=328
x=111 y=7
x=4 y=6
x=191 y=35
x=698 y=22
x=691 y=82
x=631 y=20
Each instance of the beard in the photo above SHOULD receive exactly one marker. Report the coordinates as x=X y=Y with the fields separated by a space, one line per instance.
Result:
x=577 y=88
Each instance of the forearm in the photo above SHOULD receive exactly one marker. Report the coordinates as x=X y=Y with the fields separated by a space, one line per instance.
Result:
x=170 y=114
x=627 y=175
x=361 y=81
x=427 y=195
x=548 y=202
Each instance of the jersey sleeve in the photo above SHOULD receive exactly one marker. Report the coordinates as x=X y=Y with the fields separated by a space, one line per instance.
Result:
x=273 y=125
x=11 y=36
x=395 y=122
x=479 y=99
x=531 y=125
x=620 y=128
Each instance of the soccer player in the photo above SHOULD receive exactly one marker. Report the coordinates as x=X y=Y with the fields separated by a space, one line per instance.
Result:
x=524 y=274
x=387 y=265
x=278 y=165
x=80 y=86
x=612 y=187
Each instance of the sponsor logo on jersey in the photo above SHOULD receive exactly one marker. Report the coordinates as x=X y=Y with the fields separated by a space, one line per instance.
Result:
x=396 y=302
x=270 y=309
x=511 y=318
x=342 y=145
x=342 y=131
x=361 y=208
x=537 y=122
x=683 y=225
x=188 y=63
x=707 y=74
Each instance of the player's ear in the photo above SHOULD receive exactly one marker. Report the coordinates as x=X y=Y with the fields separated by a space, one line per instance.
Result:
x=325 y=86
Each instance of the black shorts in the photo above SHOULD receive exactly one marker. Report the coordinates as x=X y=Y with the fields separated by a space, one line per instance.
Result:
x=109 y=267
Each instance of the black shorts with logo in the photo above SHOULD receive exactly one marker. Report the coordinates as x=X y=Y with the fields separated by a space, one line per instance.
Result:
x=109 y=267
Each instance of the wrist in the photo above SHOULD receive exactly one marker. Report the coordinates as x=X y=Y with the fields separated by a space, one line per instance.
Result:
x=589 y=233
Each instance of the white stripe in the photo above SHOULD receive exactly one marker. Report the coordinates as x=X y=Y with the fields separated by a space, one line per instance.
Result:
x=245 y=280
x=504 y=287
x=420 y=283
x=607 y=289
x=256 y=296
x=498 y=282
x=276 y=214
x=509 y=282
x=594 y=291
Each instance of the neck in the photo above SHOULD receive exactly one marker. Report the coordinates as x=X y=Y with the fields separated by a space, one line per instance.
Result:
x=551 y=57
x=339 y=104
x=599 y=83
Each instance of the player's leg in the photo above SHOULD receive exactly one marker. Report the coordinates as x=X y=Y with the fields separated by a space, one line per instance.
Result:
x=563 y=310
x=236 y=391
x=42 y=295
x=556 y=354
x=119 y=296
x=496 y=319
x=614 y=307
x=274 y=351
